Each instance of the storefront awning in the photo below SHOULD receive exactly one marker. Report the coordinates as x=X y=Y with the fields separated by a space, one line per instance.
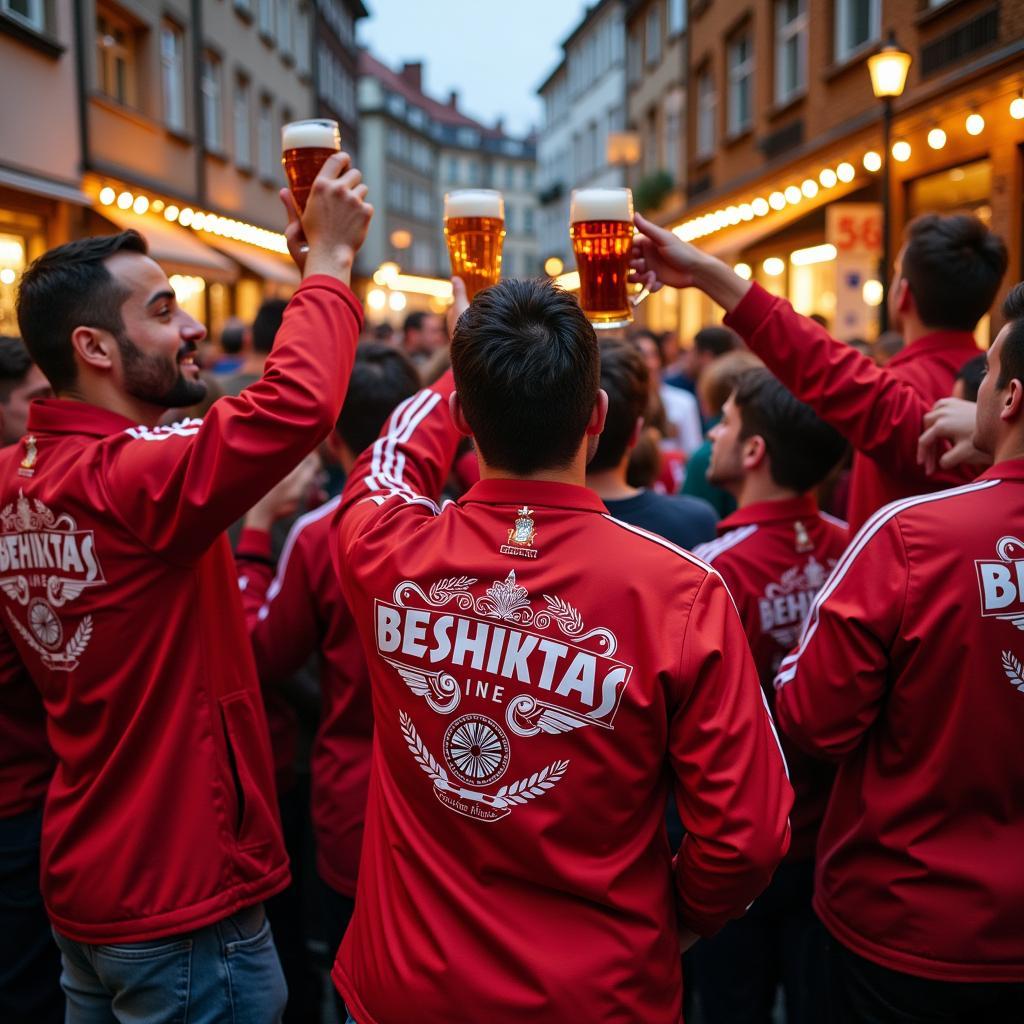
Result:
x=177 y=250
x=23 y=181
x=267 y=265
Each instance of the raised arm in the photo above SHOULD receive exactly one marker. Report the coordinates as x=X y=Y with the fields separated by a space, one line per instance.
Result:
x=878 y=413
x=178 y=488
x=731 y=786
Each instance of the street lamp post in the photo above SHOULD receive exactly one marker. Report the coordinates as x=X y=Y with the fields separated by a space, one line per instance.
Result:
x=888 y=69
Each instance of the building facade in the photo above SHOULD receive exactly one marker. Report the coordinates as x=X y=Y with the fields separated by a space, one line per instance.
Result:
x=784 y=143
x=414 y=148
x=656 y=102
x=41 y=200
x=584 y=102
x=336 y=67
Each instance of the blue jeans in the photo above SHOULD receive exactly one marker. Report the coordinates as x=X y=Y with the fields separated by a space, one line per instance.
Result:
x=228 y=971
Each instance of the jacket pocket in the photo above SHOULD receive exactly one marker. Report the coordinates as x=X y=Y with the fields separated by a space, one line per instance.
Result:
x=251 y=774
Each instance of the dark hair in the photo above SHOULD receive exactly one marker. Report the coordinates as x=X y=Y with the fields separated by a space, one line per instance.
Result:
x=267 y=324
x=953 y=265
x=639 y=333
x=526 y=370
x=15 y=362
x=716 y=341
x=414 y=321
x=382 y=377
x=1011 y=355
x=382 y=332
x=232 y=338
x=801 y=447
x=70 y=287
x=972 y=373
x=624 y=375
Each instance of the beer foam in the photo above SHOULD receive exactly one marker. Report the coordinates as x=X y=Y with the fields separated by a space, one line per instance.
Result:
x=601 y=204
x=315 y=134
x=474 y=202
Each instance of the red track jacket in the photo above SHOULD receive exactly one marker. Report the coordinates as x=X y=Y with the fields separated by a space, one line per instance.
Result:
x=26 y=760
x=118 y=587
x=774 y=556
x=300 y=613
x=879 y=410
x=543 y=675
x=909 y=672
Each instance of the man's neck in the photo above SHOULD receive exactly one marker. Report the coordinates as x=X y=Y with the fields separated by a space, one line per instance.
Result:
x=610 y=484
x=914 y=330
x=1011 y=447
x=758 y=488
x=574 y=474
x=123 y=405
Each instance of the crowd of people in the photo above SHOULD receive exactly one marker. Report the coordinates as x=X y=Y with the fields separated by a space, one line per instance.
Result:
x=529 y=673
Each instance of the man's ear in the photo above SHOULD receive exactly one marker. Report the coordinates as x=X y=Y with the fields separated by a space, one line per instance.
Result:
x=1013 y=404
x=458 y=417
x=94 y=347
x=599 y=413
x=755 y=451
x=904 y=297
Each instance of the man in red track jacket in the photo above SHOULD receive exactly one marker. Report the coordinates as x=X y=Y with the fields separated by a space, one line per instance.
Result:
x=300 y=612
x=910 y=673
x=543 y=676
x=160 y=837
x=774 y=553
x=946 y=278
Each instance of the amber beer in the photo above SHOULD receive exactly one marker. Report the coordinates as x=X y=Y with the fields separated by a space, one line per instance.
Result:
x=306 y=145
x=474 y=227
x=601 y=229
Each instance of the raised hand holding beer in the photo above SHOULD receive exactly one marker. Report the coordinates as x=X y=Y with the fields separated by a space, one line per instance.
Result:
x=334 y=222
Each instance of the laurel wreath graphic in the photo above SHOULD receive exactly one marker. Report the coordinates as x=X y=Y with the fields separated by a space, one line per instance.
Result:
x=519 y=792
x=423 y=757
x=564 y=614
x=75 y=647
x=1014 y=670
x=452 y=589
x=536 y=785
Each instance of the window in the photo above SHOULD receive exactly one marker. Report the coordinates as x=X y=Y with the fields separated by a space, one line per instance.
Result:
x=790 y=48
x=284 y=27
x=302 y=39
x=528 y=220
x=265 y=141
x=510 y=176
x=707 y=105
x=212 y=127
x=858 y=22
x=172 y=64
x=634 y=57
x=452 y=169
x=115 y=57
x=652 y=34
x=243 y=122
x=676 y=16
x=266 y=18
x=31 y=12
x=528 y=179
x=510 y=218
x=674 y=111
x=741 y=83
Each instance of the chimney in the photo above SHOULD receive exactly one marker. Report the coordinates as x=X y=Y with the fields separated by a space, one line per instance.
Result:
x=453 y=100
x=499 y=125
x=412 y=73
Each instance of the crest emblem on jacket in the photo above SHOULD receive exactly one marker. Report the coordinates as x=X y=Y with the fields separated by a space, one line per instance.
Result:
x=46 y=562
x=1001 y=590
x=527 y=667
x=27 y=465
x=522 y=535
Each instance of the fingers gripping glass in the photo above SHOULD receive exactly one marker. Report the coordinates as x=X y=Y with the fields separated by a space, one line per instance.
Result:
x=601 y=229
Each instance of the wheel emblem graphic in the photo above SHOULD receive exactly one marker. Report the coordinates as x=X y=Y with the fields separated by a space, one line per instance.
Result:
x=44 y=623
x=476 y=749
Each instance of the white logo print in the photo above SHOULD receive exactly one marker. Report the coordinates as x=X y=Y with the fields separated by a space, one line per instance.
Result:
x=46 y=561
x=1001 y=588
x=452 y=644
x=785 y=604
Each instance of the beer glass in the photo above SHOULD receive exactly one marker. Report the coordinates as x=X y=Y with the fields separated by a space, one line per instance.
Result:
x=474 y=227
x=601 y=229
x=306 y=145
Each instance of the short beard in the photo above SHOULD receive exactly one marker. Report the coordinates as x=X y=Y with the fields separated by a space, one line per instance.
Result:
x=155 y=380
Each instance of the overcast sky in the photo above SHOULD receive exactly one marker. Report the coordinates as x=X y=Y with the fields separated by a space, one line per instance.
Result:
x=494 y=53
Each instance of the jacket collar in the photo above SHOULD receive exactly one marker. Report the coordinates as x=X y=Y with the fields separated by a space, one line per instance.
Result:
x=533 y=492
x=937 y=341
x=1011 y=469
x=803 y=507
x=68 y=416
